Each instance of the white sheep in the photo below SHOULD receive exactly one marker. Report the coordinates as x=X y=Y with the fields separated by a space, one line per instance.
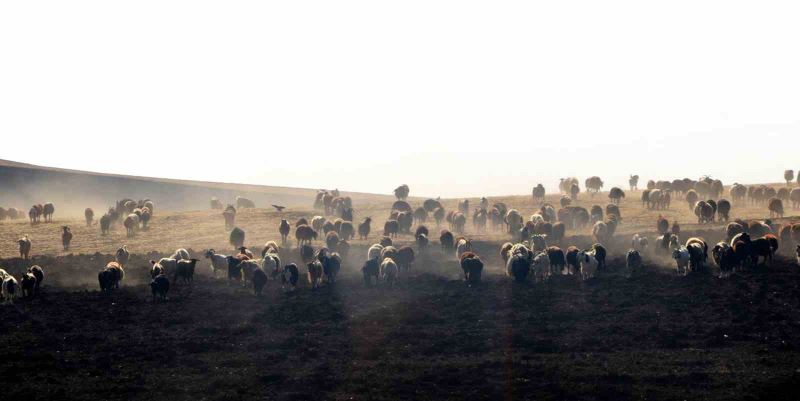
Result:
x=170 y=265
x=463 y=245
x=271 y=264
x=180 y=254
x=374 y=251
x=219 y=262
x=541 y=266
x=3 y=275
x=682 y=257
x=389 y=271
x=639 y=242
x=588 y=264
x=537 y=218
x=317 y=222
x=10 y=288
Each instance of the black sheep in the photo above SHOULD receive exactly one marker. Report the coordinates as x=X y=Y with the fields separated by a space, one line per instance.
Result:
x=160 y=286
x=371 y=269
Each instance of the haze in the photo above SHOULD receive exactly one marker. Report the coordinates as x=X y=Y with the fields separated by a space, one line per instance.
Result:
x=453 y=98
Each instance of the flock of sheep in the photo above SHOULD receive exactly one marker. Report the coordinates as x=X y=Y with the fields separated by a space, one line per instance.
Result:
x=534 y=252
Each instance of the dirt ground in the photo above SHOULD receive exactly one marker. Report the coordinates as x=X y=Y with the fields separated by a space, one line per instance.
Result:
x=654 y=336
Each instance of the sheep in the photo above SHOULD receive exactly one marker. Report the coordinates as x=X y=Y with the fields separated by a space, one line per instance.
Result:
x=540 y=266
x=66 y=237
x=519 y=264
x=131 y=224
x=783 y=194
x=593 y=185
x=438 y=215
x=259 y=280
x=565 y=201
x=28 y=285
x=725 y=258
x=24 y=247
x=548 y=213
x=691 y=198
x=613 y=210
x=759 y=229
x=156 y=269
x=34 y=214
x=122 y=255
x=639 y=243
x=472 y=267
x=216 y=204
x=244 y=203
x=370 y=270
x=462 y=245
x=185 y=270
x=513 y=221
x=764 y=247
x=305 y=234
x=538 y=193
x=248 y=267
x=574 y=190
x=230 y=218
x=145 y=217
x=422 y=242
x=306 y=253
x=159 y=286
x=364 y=228
x=48 y=211
x=446 y=240
x=271 y=264
x=332 y=240
x=391 y=228
x=723 y=210
x=682 y=258
x=704 y=212
x=600 y=254
x=105 y=224
x=537 y=218
x=385 y=241
x=405 y=257
x=10 y=289
x=588 y=264
x=797 y=254
x=571 y=260
x=290 y=275
x=633 y=261
x=600 y=232
x=646 y=198
x=505 y=251
x=88 y=214
x=402 y=192
x=38 y=273
x=633 y=182
x=538 y=243
x=558 y=231
x=168 y=266
x=374 y=251
x=389 y=272
x=331 y=264
x=696 y=256
x=180 y=254
x=775 y=207
x=401 y=206
x=459 y=221
x=615 y=195
x=110 y=277
x=794 y=196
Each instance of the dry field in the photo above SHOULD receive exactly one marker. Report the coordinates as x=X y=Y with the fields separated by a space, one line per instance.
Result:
x=655 y=336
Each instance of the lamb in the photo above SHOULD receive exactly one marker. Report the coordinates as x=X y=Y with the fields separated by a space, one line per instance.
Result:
x=472 y=267
x=633 y=261
x=105 y=224
x=122 y=255
x=588 y=264
x=775 y=207
x=159 y=286
x=66 y=237
x=38 y=273
x=447 y=240
x=682 y=258
x=639 y=243
x=24 y=247
x=10 y=288
x=541 y=266
x=185 y=270
x=110 y=277
x=48 y=211
x=615 y=195
x=131 y=224
x=370 y=270
x=389 y=272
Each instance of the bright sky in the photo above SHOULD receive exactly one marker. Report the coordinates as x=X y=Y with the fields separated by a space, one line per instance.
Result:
x=453 y=98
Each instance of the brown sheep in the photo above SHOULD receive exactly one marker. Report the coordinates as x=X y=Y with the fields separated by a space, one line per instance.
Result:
x=391 y=228
x=284 y=229
x=775 y=207
x=405 y=257
x=66 y=237
x=364 y=228
x=305 y=234
x=615 y=195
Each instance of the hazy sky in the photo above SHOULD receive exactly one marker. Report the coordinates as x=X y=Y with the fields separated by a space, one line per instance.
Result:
x=451 y=97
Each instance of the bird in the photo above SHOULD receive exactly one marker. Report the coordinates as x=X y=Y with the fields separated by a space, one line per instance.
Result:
x=279 y=208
